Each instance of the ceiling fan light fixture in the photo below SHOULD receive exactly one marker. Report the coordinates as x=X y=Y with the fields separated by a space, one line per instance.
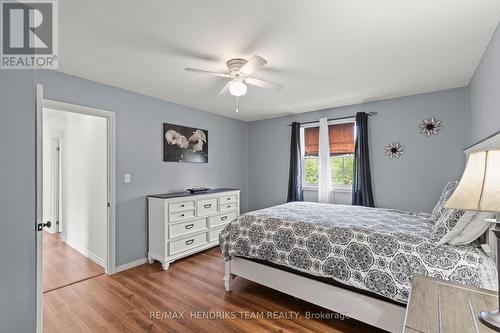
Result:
x=238 y=88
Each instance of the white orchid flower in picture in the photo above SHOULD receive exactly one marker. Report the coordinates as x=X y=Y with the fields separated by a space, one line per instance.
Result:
x=394 y=149
x=172 y=137
x=183 y=142
x=177 y=148
x=196 y=140
x=430 y=126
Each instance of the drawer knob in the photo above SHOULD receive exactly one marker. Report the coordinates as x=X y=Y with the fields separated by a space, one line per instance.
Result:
x=228 y=199
x=182 y=205
x=228 y=206
x=208 y=206
x=189 y=226
x=182 y=215
x=223 y=218
x=189 y=242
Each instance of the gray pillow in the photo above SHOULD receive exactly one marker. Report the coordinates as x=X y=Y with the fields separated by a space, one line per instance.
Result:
x=445 y=195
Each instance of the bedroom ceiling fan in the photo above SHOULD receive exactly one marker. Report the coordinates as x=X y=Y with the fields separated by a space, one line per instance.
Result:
x=240 y=71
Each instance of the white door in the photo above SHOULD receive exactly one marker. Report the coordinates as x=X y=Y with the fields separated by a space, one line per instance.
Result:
x=39 y=223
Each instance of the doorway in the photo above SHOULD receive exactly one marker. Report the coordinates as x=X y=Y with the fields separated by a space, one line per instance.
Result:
x=75 y=195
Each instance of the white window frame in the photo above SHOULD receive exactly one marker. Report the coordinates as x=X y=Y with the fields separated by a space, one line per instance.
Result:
x=314 y=187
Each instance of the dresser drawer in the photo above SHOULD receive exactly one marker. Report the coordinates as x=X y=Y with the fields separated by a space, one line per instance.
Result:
x=181 y=216
x=187 y=243
x=214 y=234
x=180 y=206
x=207 y=206
x=228 y=198
x=187 y=227
x=226 y=207
x=221 y=219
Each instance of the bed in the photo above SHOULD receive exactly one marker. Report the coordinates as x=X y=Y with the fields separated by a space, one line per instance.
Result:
x=348 y=259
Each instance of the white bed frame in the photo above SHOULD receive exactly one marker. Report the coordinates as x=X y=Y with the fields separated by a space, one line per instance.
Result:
x=385 y=315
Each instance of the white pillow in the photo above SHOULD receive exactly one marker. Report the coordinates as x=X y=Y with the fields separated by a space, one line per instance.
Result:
x=472 y=230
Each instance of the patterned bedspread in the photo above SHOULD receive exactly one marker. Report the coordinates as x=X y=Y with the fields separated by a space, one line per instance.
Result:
x=373 y=249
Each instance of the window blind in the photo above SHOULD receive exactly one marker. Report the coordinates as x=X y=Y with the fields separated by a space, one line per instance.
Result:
x=341 y=137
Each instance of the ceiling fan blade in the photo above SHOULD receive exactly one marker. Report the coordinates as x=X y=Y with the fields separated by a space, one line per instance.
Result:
x=254 y=64
x=201 y=71
x=264 y=84
x=225 y=90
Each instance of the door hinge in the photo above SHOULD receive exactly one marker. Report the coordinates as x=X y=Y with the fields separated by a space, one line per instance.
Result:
x=109 y=205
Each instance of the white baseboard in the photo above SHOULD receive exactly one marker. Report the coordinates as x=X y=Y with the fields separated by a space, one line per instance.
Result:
x=98 y=260
x=130 y=265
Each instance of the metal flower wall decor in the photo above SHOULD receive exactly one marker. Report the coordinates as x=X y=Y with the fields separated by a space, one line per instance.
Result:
x=394 y=149
x=430 y=126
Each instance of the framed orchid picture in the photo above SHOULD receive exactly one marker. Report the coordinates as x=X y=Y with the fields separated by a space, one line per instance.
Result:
x=184 y=144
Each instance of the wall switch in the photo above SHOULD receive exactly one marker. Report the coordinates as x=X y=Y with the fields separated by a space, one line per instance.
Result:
x=127 y=178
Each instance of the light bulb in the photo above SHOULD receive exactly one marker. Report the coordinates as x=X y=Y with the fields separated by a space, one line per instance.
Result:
x=238 y=88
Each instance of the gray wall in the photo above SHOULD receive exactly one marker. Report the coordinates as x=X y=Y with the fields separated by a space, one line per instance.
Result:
x=17 y=201
x=139 y=151
x=484 y=92
x=413 y=182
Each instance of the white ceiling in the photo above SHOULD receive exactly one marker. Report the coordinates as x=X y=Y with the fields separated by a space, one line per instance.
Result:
x=327 y=53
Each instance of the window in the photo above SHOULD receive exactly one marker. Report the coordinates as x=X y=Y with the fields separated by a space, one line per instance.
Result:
x=342 y=139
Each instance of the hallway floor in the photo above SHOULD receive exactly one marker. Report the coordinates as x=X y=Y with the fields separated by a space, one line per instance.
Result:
x=63 y=265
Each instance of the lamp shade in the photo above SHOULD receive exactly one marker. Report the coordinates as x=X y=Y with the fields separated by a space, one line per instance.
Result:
x=479 y=188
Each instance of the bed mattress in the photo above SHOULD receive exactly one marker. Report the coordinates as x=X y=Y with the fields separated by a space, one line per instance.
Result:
x=370 y=249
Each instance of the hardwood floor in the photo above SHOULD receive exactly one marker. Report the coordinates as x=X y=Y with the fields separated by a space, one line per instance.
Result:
x=148 y=299
x=63 y=265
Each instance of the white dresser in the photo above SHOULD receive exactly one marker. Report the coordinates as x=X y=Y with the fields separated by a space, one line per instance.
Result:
x=181 y=224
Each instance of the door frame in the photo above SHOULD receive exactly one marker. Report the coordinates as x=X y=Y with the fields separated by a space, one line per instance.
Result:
x=111 y=164
x=110 y=117
x=56 y=143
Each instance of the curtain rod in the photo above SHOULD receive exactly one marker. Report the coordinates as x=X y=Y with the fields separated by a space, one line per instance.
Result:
x=373 y=113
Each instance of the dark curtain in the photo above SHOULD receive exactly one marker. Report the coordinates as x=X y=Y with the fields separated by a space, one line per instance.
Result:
x=295 y=192
x=362 y=194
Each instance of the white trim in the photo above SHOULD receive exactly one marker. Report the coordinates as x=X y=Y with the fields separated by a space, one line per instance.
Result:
x=95 y=258
x=377 y=312
x=347 y=189
x=55 y=183
x=342 y=121
x=111 y=130
x=310 y=188
x=130 y=265
x=61 y=106
x=331 y=122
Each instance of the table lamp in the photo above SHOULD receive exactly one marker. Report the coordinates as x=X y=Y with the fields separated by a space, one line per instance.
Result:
x=479 y=190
